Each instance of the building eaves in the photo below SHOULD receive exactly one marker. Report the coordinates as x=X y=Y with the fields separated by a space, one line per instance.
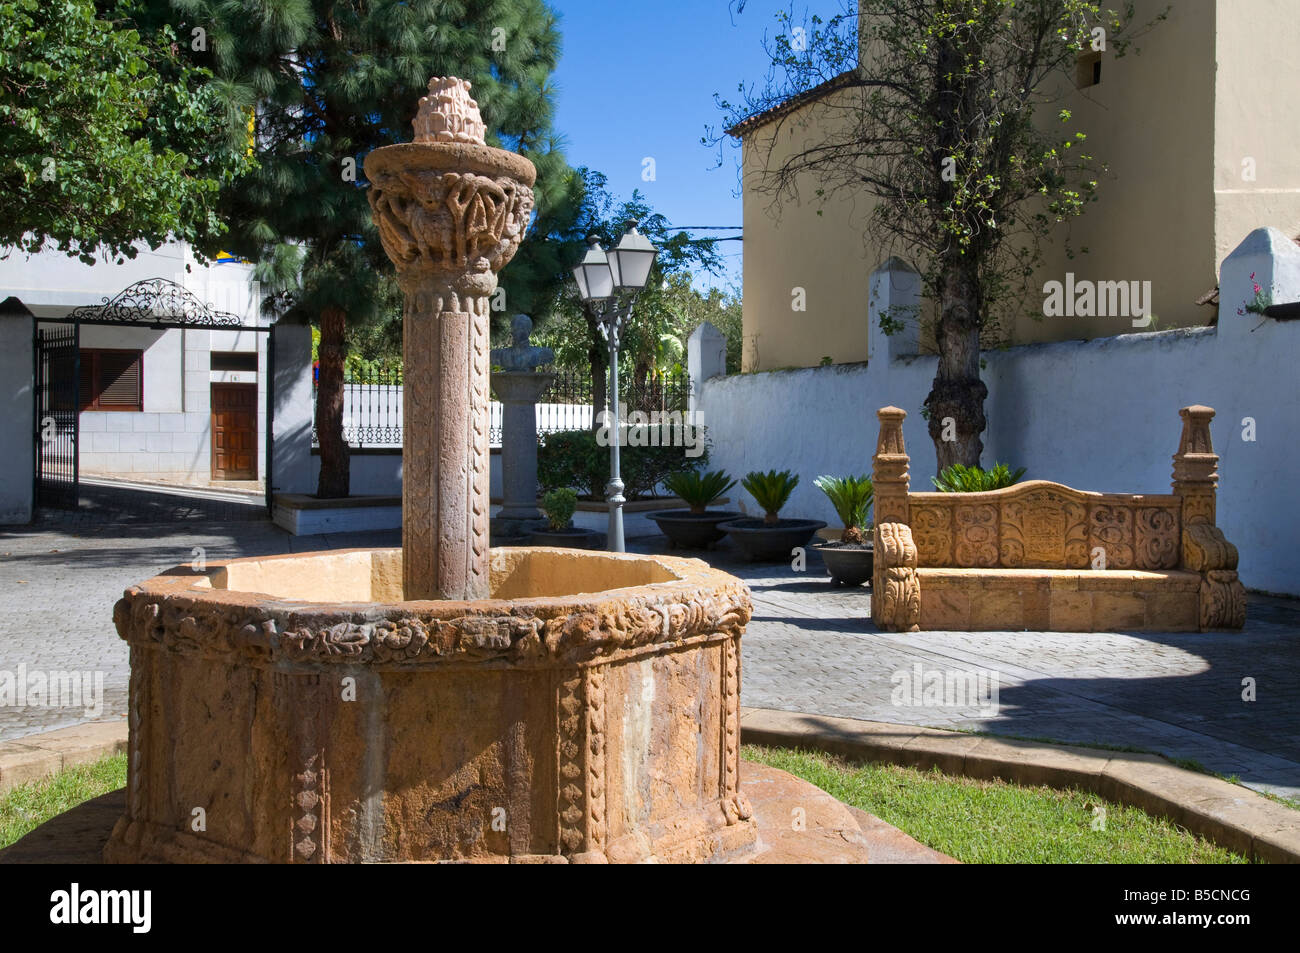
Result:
x=787 y=106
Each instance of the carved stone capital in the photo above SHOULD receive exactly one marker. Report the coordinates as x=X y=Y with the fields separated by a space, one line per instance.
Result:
x=896 y=589
x=449 y=232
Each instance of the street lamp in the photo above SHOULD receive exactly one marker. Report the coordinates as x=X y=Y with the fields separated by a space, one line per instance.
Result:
x=609 y=283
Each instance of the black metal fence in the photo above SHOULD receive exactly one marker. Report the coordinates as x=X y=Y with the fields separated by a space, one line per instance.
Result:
x=372 y=404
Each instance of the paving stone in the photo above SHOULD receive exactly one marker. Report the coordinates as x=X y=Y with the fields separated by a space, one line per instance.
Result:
x=1176 y=693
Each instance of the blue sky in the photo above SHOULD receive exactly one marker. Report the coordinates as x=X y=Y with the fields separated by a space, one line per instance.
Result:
x=637 y=79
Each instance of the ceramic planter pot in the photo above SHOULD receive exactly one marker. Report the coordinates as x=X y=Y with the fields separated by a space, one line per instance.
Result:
x=847 y=564
x=574 y=537
x=687 y=530
x=761 y=542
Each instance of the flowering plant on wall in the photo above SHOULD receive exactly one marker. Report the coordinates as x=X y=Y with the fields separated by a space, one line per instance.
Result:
x=1262 y=299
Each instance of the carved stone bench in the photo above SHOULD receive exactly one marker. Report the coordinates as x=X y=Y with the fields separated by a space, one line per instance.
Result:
x=1043 y=556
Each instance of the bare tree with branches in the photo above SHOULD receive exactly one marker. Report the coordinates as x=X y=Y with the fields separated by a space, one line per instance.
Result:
x=934 y=108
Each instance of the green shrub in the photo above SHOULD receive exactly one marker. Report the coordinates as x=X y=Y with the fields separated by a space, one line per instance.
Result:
x=573 y=458
x=770 y=490
x=699 y=490
x=559 y=505
x=963 y=479
x=851 y=497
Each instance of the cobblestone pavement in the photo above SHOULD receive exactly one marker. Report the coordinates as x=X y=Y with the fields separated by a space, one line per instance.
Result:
x=60 y=576
x=810 y=648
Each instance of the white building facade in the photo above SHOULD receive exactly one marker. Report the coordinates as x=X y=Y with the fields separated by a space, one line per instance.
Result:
x=158 y=403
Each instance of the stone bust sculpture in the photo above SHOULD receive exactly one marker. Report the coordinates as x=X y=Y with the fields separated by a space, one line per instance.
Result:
x=521 y=356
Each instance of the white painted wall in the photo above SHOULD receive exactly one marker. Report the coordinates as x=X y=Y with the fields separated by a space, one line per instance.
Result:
x=171 y=439
x=1097 y=415
x=380 y=474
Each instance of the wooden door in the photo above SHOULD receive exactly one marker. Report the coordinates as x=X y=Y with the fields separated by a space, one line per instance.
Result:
x=234 y=431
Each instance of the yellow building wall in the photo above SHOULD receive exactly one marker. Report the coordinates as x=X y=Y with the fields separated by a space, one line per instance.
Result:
x=1211 y=85
x=1151 y=121
x=793 y=247
x=1257 y=116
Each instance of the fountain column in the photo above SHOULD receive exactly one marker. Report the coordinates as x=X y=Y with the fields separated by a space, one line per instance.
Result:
x=451 y=212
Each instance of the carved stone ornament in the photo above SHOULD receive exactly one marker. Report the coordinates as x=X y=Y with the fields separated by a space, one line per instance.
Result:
x=1049 y=527
x=896 y=599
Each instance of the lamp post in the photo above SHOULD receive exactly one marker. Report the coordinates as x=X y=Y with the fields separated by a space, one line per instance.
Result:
x=608 y=283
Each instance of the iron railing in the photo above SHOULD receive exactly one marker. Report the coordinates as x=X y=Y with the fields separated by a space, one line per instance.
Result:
x=372 y=405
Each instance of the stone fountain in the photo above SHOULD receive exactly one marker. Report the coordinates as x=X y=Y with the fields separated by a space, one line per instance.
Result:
x=444 y=701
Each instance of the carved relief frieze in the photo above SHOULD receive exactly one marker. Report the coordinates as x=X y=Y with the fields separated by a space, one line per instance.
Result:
x=1157 y=537
x=976 y=536
x=933 y=534
x=1111 y=531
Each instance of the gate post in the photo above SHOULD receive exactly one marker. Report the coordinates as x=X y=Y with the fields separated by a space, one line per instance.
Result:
x=290 y=413
x=17 y=412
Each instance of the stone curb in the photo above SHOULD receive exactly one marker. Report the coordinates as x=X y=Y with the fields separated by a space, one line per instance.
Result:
x=39 y=756
x=1227 y=814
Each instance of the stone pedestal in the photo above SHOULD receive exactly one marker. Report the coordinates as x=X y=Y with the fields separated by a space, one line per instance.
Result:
x=451 y=212
x=518 y=392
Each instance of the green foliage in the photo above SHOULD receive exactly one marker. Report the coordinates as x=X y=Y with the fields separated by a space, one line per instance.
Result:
x=112 y=136
x=851 y=496
x=559 y=506
x=697 y=489
x=27 y=806
x=331 y=82
x=962 y=479
x=770 y=490
x=654 y=340
x=574 y=458
x=1260 y=301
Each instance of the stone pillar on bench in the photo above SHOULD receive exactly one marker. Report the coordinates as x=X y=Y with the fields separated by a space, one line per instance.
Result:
x=1205 y=550
x=895 y=590
x=1196 y=466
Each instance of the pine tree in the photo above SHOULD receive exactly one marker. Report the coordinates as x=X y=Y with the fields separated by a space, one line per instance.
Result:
x=327 y=81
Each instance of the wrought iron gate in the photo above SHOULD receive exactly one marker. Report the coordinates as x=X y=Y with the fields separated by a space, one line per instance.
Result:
x=56 y=378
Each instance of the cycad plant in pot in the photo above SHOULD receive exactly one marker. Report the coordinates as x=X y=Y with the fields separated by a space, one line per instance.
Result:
x=770 y=538
x=559 y=507
x=849 y=560
x=698 y=528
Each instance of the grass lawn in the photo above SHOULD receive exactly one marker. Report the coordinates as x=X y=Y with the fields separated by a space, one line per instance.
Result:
x=974 y=821
x=992 y=822
x=29 y=805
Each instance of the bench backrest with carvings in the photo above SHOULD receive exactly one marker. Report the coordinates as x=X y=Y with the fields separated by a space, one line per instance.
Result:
x=1043 y=525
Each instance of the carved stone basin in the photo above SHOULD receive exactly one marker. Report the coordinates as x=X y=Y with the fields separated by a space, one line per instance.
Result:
x=295 y=709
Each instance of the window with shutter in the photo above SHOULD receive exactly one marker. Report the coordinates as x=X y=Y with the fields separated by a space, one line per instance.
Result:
x=111 y=379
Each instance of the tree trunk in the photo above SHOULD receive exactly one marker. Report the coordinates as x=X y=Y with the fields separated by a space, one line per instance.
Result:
x=956 y=400
x=335 y=468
